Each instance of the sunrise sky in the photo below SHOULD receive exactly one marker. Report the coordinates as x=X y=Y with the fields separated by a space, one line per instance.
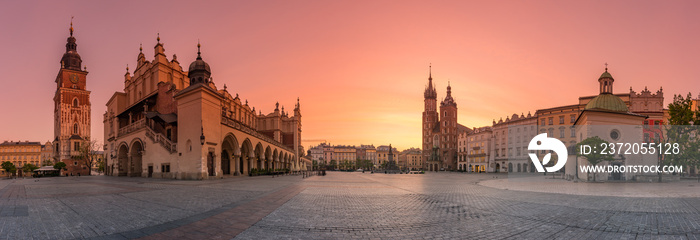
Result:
x=359 y=67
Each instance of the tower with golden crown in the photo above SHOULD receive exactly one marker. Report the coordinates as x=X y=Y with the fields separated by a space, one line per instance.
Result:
x=71 y=110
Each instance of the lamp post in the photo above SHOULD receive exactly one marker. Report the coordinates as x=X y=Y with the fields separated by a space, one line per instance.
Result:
x=201 y=137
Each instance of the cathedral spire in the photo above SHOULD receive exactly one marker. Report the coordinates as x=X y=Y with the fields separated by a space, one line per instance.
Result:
x=430 y=72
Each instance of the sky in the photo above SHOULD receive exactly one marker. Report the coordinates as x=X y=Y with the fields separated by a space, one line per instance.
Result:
x=358 y=67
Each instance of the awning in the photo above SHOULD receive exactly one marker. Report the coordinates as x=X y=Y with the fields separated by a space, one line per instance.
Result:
x=167 y=118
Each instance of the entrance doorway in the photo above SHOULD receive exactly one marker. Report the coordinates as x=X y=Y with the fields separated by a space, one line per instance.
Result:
x=210 y=163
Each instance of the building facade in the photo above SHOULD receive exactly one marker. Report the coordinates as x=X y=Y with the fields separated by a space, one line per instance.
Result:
x=476 y=152
x=19 y=154
x=510 y=140
x=384 y=154
x=71 y=110
x=172 y=123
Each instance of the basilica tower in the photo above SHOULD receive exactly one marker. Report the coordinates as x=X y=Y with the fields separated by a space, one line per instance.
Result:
x=430 y=118
x=448 y=131
x=71 y=109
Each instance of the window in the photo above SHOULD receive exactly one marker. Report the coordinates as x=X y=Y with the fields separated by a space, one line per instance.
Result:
x=573 y=132
x=614 y=134
x=551 y=132
x=561 y=119
x=76 y=146
x=573 y=118
x=561 y=132
x=646 y=137
x=75 y=102
x=165 y=167
x=551 y=121
x=75 y=128
x=542 y=122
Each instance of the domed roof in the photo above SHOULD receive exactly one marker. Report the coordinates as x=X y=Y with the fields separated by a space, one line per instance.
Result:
x=199 y=64
x=199 y=71
x=71 y=58
x=606 y=74
x=608 y=102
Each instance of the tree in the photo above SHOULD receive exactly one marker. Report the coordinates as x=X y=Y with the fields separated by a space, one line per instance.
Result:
x=47 y=162
x=594 y=157
x=314 y=165
x=89 y=153
x=60 y=166
x=101 y=166
x=9 y=168
x=678 y=132
x=333 y=164
x=29 y=167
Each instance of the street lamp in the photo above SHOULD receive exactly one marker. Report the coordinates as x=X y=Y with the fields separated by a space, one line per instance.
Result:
x=201 y=137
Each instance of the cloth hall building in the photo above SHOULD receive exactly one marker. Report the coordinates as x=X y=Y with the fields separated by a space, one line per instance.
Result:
x=172 y=123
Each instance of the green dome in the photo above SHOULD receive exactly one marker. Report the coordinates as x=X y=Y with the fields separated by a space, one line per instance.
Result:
x=606 y=74
x=607 y=102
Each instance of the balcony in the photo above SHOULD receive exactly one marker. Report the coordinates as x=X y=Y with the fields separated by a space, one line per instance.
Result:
x=132 y=127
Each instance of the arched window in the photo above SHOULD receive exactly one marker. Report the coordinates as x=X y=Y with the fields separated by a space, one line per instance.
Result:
x=75 y=102
x=75 y=128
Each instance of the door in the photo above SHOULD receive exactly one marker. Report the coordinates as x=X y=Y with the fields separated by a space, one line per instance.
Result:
x=617 y=175
x=210 y=163
x=150 y=171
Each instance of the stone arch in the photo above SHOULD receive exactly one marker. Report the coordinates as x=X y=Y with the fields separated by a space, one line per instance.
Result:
x=525 y=167
x=122 y=159
x=136 y=158
x=230 y=155
x=246 y=156
x=519 y=168
x=510 y=167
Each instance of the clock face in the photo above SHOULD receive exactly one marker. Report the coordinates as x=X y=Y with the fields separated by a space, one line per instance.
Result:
x=74 y=78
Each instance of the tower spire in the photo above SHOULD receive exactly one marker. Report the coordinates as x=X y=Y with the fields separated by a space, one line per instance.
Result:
x=430 y=71
x=71 y=26
x=199 y=53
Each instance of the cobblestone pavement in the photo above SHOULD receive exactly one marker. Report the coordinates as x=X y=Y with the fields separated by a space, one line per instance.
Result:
x=339 y=205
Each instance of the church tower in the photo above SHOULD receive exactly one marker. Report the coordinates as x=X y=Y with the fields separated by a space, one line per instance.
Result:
x=448 y=131
x=71 y=109
x=430 y=116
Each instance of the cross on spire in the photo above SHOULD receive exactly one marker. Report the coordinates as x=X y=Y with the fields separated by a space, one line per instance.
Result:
x=606 y=66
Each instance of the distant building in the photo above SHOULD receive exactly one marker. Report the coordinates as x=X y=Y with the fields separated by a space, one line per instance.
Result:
x=19 y=154
x=47 y=155
x=317 y=153
x=384 y=155
x=510 y=140
x=411 y=159
x=475 y=150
